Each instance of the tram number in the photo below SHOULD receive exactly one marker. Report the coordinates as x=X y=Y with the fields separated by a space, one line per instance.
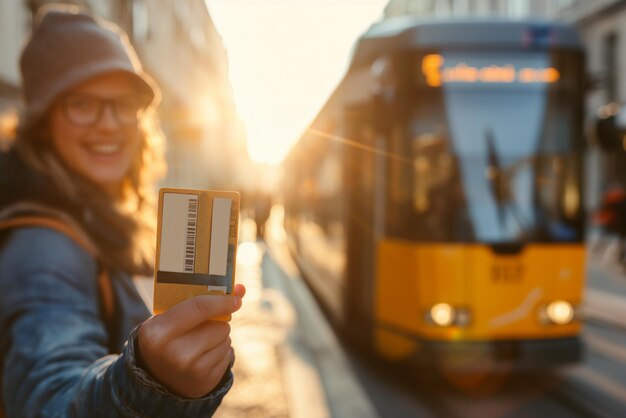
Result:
x=507 y=273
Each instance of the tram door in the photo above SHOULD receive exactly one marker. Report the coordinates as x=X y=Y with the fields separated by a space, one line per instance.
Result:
x=362 y=178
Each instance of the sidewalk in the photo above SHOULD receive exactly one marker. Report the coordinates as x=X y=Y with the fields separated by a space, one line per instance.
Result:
x=289 y=364
x=258 y=332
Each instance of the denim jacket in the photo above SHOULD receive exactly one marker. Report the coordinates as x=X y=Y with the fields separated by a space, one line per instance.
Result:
x=55 y=349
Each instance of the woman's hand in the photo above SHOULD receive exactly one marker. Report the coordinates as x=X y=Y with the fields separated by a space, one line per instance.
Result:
x=184 y=349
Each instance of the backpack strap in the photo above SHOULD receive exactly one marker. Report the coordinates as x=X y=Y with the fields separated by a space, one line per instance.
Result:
x=104 y=280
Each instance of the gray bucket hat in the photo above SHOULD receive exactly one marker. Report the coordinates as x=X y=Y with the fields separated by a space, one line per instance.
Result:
x=68 y=47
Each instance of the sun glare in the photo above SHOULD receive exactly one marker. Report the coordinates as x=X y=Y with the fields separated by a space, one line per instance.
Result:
x=285 y=58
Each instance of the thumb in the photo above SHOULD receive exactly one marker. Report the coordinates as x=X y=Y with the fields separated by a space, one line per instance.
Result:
x=188 y=314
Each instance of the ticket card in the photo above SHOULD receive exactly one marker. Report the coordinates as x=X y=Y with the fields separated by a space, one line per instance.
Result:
x=197 y=234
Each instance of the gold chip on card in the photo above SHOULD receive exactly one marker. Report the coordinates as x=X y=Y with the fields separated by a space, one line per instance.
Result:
x=197 y=234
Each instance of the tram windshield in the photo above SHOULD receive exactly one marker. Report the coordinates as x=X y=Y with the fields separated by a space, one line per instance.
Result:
x=495 y=143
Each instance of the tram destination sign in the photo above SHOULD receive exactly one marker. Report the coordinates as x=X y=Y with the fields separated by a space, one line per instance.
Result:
x=436 y=70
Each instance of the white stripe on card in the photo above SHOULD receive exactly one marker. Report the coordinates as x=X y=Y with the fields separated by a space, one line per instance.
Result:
x=222 y=289
x=178 y=231
x=220 y=226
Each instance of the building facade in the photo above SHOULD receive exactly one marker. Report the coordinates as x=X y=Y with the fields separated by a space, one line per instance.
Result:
x=602 y=24
x=181 y=48
x=14 y=21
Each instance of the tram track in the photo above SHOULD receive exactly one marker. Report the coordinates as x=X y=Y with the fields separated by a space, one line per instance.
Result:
x=576 y=391
x=603 y=347
x=579 y=393
x=585 y=393
x=588 y=388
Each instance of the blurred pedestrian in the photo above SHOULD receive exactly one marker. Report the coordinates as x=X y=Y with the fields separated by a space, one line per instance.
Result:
x=77 y=215
x=262 y=209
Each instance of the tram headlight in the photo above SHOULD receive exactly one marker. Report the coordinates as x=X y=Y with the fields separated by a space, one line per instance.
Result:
x=559 y=312
x=442 y=314
x=445 y=315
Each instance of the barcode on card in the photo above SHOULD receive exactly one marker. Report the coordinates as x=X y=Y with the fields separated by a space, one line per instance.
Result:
x=178 y=233
x=192 y=224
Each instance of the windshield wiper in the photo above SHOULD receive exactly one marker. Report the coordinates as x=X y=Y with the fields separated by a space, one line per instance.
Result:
x=500 y=181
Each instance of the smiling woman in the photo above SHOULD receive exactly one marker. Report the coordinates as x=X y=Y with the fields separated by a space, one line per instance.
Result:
x=76 y=224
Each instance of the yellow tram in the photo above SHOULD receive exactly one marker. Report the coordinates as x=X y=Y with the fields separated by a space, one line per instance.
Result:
x=435 y=204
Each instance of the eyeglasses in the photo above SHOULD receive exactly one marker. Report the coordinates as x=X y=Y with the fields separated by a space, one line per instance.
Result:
x=86 y=110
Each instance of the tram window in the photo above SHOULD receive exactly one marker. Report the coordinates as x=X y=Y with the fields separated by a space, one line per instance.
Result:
x=432 y=166
x=495 y=160
x=558 y=203
x=399 y=185
x=430 y=152
x=435 y=204
x=328 y=199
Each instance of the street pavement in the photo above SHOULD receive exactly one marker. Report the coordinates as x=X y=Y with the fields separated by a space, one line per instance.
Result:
x=258 y=332
x=288 y=361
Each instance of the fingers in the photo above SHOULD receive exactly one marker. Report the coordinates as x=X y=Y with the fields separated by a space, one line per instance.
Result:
x=190 y=365
x=212 y=359
x=187 y=351
x=201 y=339
x=215 y=362
x=187 y=315
x=239 y=290
x=201 y=376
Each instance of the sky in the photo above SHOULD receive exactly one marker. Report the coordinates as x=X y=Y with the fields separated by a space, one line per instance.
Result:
x=286 y=57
